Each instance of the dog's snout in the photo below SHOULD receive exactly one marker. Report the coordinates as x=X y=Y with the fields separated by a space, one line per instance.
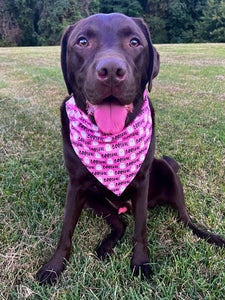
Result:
x=111 y=70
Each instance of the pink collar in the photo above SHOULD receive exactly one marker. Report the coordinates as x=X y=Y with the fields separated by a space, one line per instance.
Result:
x=113 y=159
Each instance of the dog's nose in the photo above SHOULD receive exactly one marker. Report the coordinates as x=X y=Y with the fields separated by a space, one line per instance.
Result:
x=111 y=70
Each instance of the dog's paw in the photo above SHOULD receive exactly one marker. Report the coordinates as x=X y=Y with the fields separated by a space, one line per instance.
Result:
x=49 y=273
x=144 y=270
x=103 y=252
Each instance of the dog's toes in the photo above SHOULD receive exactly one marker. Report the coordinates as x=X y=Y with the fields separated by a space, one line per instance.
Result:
x=48 y=274
x=144 y=270
x=103 y=253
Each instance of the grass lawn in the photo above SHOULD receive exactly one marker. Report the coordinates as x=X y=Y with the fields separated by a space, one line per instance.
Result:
x=189 y=101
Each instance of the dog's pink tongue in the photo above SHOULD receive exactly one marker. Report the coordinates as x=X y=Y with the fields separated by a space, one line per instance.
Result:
x=110 y=117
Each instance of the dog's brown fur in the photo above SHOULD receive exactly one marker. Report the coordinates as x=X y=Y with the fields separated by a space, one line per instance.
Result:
x=157 y=181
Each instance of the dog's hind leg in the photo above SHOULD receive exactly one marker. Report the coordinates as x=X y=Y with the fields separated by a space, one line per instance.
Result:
x=103 y=209
x=166 y=188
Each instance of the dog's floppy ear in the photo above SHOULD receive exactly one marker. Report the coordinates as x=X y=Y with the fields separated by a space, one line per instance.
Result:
x=64 y=41
x=154 y=61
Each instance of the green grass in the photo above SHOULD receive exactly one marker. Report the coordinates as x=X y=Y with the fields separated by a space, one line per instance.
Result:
x=189 y=100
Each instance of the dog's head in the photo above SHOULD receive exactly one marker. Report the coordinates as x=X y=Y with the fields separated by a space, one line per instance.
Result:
x=107 y=60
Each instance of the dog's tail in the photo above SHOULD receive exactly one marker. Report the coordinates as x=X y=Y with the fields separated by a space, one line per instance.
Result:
x=206 y=235
x=183 y=214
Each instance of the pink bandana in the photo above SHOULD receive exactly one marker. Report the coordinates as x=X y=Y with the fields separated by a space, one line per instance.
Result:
x=113 y=159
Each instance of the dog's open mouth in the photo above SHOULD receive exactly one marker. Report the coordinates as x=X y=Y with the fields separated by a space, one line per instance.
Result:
x=110 y=115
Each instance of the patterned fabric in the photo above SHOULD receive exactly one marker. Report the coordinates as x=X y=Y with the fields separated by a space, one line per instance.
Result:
x=113 y=159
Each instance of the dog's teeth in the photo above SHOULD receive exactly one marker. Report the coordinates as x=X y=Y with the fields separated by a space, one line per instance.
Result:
x=129 y=108
x=90 y=108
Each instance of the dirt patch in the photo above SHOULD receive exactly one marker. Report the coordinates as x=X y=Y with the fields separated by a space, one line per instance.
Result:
x=220 y=77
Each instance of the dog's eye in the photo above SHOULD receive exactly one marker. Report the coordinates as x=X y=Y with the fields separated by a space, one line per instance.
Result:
x=82 y=42
x=134 y=43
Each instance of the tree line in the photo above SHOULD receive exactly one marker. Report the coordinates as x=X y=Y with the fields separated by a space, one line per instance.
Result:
x=41 y=22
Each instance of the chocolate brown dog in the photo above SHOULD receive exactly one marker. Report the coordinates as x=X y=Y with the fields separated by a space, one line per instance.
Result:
x=107 y=60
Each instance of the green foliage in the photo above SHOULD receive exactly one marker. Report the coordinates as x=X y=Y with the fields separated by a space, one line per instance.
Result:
x=212 y=25
x=181 y=18
x=24 y=13
x=41 y=22
x=53 y=21
x=131 y=8
x=155 y=12
x=157 y=29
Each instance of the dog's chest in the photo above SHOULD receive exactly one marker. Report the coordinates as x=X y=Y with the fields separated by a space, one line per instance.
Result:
x=113 y=159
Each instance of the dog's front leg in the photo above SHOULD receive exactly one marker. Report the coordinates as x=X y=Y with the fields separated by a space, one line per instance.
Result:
x=74 y=203
x=140 y=260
